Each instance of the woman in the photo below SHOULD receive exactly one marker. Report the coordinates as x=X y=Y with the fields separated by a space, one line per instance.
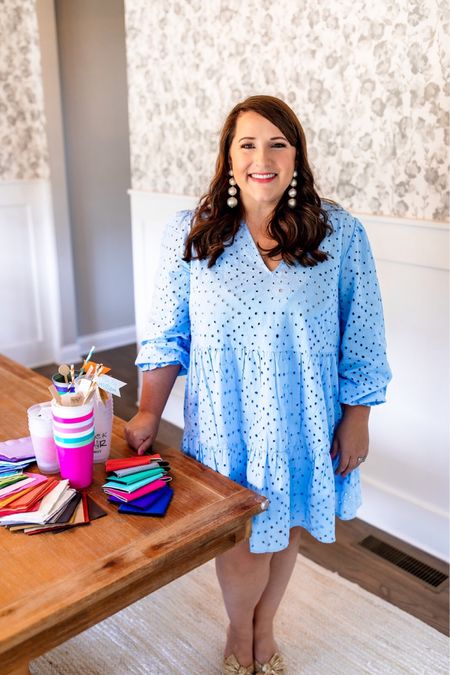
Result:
x=267 y=298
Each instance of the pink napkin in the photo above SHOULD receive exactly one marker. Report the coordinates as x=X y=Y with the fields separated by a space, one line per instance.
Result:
x=128 y=497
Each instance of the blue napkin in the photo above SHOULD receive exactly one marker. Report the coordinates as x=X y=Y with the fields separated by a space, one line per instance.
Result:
x=157 y=508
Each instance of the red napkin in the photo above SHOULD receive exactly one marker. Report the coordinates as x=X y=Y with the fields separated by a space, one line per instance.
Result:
x=115 y=464
x=85 y=507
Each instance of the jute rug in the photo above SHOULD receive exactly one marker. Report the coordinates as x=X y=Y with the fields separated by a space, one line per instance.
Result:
x=326 y=626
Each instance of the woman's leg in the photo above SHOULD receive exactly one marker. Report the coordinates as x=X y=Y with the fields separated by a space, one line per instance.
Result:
x=242 y=576
x=281 y=568
x=253 y=585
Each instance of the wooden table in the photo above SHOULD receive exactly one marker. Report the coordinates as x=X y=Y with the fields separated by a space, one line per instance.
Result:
x=54 y=586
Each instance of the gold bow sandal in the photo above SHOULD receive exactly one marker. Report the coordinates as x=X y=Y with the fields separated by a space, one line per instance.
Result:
x=273 y=667
x=231 y=666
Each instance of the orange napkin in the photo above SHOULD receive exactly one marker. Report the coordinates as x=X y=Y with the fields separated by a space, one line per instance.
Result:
x=30 y=500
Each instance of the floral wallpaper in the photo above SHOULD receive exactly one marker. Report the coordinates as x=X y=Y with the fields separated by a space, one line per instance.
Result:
x=369 y=82
x=23 y=141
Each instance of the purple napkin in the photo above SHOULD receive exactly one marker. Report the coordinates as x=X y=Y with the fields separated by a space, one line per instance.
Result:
x=16 y=449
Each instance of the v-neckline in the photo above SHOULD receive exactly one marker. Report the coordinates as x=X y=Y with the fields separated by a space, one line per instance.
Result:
x=255 y=248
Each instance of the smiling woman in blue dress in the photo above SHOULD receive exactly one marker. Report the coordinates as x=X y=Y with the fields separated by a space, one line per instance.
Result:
x=267 y=299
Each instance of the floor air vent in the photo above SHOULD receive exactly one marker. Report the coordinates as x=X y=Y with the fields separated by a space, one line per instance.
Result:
x=428 y=574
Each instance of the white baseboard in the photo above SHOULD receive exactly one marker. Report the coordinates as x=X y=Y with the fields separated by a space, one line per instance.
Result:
x=403 y=516
x=105 y=339
x=69 y=354
x=108 y=339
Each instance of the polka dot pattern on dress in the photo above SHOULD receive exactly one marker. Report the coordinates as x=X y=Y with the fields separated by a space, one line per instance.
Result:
x=270 y=356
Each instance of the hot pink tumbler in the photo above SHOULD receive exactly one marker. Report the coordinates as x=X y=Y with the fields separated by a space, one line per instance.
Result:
x=73 y=431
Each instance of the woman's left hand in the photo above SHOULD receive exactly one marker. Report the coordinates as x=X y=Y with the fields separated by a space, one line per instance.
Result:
x=351 y=439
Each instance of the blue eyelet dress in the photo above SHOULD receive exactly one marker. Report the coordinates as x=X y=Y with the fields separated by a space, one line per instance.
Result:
x=269 y=358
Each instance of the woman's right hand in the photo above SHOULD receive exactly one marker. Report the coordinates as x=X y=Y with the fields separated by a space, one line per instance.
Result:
x=141 y=431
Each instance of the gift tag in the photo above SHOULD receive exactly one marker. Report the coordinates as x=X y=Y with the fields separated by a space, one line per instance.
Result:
x=110 y=384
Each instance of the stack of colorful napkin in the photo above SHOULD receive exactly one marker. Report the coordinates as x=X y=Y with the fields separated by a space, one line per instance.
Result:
x=15 y=456
x=139 y=485
x=40 y=503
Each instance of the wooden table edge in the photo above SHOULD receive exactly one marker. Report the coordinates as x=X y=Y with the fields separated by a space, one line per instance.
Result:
x=43 y=633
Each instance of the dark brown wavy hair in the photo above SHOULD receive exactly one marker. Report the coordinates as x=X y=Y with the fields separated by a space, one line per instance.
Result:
x=298 y=231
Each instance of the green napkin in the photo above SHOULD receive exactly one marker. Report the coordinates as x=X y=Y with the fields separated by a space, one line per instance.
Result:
x=9 y=480
x=133 y=486
x=136 y=477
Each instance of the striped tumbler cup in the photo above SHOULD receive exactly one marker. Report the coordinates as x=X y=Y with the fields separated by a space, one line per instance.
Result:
x=73 y=431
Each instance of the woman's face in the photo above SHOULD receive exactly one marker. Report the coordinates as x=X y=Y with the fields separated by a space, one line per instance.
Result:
x=262 y=159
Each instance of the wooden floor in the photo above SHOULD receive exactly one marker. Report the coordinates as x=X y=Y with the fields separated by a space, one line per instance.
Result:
x=345 y=556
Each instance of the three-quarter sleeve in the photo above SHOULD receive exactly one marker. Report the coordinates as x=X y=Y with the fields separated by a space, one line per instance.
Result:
x=363 y=367
x=167 y=336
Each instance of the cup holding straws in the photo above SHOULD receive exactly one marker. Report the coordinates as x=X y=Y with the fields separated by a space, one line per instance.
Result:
x=82 y=410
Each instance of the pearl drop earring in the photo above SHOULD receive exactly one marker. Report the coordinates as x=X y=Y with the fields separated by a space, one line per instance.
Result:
x=232 y=191
x=292 y=202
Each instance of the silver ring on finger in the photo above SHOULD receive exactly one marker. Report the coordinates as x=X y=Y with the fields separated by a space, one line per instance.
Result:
x=360 y=459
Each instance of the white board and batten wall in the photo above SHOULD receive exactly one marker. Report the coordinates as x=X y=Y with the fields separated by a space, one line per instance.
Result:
x=32 y=300
x=405 y=481
x=29 y=302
